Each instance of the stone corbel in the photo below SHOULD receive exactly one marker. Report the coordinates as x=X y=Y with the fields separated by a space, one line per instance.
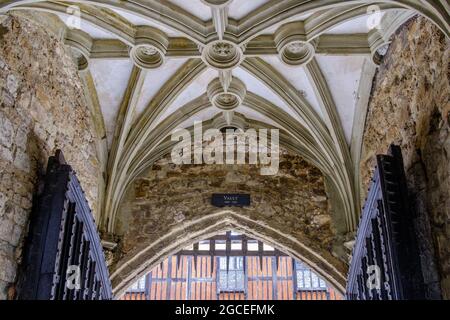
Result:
x=222 y=55
x=292 y=44
x=81 y=44
x=150 y=47
x=379 y=38
x=227 y=93
x=229 y=100
x=110 y=245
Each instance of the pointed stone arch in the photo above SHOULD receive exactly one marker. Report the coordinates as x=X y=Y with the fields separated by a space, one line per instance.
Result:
x=148 y=255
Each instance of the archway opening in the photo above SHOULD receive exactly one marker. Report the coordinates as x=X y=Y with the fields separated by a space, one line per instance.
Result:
x=138 y=263
x=231 y=266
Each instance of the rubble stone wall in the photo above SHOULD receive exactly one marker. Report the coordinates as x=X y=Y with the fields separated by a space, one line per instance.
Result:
x=410 y=106
x=168 y=196
x=42 y=109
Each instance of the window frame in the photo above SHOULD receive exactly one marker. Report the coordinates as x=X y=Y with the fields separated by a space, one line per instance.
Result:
x=227 y=272
x=142 y=281
x=300 y=267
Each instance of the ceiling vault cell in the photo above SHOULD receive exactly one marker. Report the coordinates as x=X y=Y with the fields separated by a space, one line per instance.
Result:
x=141 y=130
x=256 y=21
x=101 y=143
x=153 y=150
x=316 y=126
x=124 y=120
x=149 y=34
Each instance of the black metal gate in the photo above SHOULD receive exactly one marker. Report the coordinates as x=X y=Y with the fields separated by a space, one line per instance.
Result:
x=386 y=263
x=64 y=258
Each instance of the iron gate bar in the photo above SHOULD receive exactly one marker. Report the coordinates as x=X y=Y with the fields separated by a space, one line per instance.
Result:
x=386 y=238
x=62 y=234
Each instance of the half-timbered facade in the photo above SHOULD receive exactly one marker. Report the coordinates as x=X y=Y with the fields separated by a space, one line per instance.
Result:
x=259 y=272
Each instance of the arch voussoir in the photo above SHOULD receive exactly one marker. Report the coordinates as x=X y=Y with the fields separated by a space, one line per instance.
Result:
x=148 y=255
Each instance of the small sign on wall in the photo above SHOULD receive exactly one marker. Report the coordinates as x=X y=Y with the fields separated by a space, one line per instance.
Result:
x=230 y=200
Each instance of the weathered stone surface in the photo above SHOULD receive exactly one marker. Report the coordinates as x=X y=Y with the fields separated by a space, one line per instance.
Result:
x=410 y=106
x=42 y=108
x=168 y=196
x=8 y=270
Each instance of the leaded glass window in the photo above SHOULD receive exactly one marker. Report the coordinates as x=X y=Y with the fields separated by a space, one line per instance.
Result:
x=138 y=286
x=233 y=279
x=307 y=279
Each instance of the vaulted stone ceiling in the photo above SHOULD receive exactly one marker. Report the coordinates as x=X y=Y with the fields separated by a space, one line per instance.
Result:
x=303 y=66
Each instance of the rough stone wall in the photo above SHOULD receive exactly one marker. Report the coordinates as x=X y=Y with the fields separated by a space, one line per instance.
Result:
x=410 y=106
x=294 y=202
x=42 y=108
